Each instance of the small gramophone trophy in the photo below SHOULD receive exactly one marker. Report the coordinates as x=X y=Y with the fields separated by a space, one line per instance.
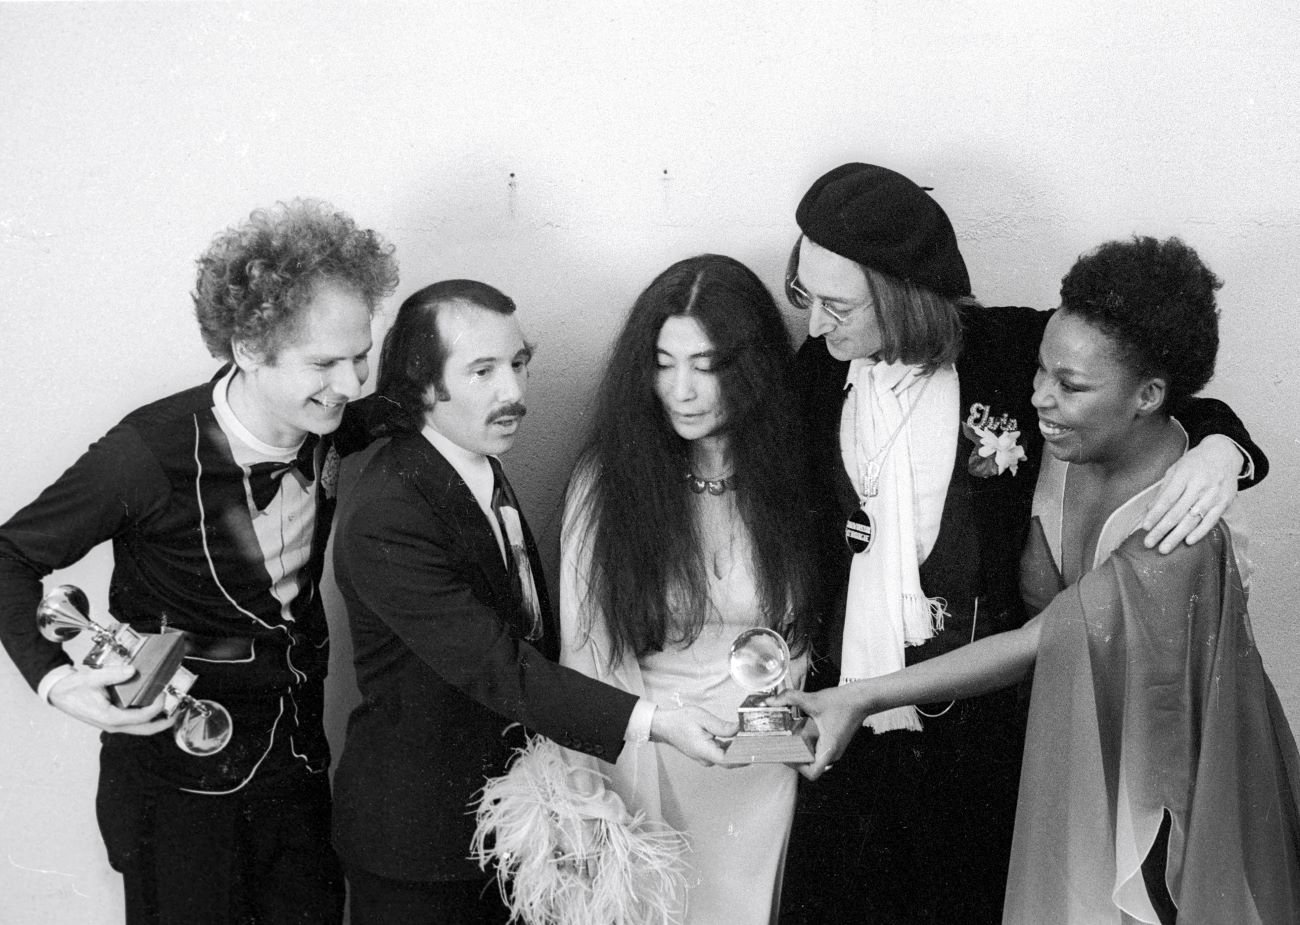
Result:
x=203 y=726
x=760 y=662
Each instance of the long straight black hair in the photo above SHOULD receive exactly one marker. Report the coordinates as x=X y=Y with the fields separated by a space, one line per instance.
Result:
x=645 y=547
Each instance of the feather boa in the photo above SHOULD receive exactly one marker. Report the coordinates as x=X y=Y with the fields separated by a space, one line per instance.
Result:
x=567 y=851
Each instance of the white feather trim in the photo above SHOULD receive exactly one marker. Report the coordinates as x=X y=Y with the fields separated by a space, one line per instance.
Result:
x=566 y=850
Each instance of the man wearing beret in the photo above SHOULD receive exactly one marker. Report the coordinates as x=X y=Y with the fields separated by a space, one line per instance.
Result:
x=927 y=446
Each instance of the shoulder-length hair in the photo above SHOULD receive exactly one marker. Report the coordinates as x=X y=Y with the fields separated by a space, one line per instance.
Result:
x=645 y=544
x=918 y=326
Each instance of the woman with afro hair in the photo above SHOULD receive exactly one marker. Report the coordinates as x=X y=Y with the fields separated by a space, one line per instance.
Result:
x=1160 y=780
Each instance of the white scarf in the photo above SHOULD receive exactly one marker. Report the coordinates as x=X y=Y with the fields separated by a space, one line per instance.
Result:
x=886 y=608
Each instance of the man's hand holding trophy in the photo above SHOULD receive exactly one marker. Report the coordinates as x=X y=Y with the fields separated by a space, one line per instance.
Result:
x=140 y=675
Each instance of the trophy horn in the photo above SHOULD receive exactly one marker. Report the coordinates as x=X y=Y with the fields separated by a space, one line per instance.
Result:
x=760 y=659
x=203 y=727
x=64 y=613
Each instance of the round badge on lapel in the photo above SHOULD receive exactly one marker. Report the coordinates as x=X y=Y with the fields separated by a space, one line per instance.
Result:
x=859 y=531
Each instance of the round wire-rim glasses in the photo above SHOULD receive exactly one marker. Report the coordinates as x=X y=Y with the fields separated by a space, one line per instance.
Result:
x=804 y=300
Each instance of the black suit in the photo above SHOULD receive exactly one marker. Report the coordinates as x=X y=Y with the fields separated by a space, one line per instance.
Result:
x=916 y=827
x=442 y=668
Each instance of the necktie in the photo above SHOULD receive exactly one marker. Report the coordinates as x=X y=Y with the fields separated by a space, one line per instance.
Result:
x=264 y=477
x=506 y=508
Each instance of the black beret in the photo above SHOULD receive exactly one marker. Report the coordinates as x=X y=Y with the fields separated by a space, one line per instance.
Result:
x=883 y=220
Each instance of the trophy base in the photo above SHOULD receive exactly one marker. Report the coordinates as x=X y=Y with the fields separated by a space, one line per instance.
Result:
x=155 y=662
x=778 y=748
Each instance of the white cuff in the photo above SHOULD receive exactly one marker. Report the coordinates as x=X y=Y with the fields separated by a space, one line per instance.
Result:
x=52 y=677
x=638 y=724
x=1248 y=468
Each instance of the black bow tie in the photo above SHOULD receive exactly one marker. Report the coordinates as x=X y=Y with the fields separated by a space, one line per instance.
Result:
x=264 y=478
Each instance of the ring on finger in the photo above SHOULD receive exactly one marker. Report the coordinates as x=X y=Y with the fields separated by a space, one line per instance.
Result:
x=1195 y=513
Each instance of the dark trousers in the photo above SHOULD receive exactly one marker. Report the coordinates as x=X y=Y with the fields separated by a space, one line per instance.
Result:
x=376 y=900
x=911 y=827
x=259 y=856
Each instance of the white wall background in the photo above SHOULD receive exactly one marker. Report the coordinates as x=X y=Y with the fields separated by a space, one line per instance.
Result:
x=566 y=153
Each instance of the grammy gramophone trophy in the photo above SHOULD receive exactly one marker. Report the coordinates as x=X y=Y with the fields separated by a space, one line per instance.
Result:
x=760 y=663
x=203 y=727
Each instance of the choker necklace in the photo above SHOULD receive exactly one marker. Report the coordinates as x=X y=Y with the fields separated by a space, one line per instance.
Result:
x=712 y=486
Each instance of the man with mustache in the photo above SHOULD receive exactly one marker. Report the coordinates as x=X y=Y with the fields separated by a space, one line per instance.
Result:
x=455 y=644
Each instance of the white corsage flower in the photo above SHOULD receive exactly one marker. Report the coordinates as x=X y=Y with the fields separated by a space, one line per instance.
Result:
x=995 y=453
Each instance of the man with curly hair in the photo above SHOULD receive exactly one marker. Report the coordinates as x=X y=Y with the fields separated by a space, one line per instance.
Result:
x=218 y=503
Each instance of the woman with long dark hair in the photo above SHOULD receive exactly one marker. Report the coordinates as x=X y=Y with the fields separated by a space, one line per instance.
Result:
x=686 y=523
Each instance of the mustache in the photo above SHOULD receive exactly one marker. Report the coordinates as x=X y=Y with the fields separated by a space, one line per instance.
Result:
x=513 y=410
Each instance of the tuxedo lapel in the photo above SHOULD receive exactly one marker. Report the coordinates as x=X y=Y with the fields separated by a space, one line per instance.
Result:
x=451 y=501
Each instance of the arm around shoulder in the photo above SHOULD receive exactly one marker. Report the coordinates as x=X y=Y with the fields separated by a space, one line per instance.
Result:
x=1203 y=417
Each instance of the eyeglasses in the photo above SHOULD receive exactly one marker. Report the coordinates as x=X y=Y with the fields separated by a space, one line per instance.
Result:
x=804 y=300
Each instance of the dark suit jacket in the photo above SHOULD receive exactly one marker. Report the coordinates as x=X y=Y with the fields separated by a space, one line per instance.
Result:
x=442 y=668
x=985 y=519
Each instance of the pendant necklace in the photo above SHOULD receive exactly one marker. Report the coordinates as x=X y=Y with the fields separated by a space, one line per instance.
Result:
x=860 y=528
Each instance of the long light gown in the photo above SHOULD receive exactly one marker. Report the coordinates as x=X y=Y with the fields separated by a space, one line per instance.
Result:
x=736 y=819
x=1150 y=699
